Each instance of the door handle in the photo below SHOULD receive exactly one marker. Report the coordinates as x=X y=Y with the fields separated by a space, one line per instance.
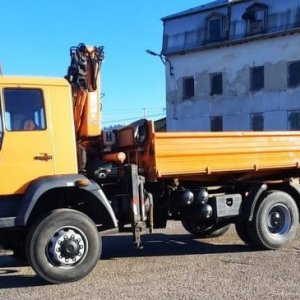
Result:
x=43 y=156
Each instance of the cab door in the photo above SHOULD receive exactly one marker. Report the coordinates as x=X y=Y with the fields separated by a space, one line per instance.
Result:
x=26 y=146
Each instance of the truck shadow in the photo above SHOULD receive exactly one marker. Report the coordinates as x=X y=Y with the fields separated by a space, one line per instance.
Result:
x=115 y=246
x=120 y=245
x=9 y=274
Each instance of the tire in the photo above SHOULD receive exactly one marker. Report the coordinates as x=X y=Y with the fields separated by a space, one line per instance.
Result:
x=64 y=246
x=205 y=230
x=242 y=229
x=275 y=221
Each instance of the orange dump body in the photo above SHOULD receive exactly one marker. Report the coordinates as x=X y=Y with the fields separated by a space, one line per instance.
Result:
x=214 y=157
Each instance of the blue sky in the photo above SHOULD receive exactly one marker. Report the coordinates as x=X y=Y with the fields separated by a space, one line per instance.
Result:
x=36 y=36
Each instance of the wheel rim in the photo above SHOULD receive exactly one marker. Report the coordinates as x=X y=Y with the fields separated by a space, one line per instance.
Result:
x=279 y=220
x=67 y=247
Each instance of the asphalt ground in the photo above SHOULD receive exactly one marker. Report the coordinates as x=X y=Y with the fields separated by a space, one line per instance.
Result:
x=172 y=265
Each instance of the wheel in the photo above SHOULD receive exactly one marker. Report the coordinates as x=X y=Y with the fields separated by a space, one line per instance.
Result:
x=64 y=246
x=275 y=221
x=205 y=230
x=242 y=229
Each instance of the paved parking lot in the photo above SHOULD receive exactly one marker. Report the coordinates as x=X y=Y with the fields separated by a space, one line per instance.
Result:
x=171 y=266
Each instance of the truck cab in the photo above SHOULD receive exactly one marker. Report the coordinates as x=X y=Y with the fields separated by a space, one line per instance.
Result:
x=37 y=135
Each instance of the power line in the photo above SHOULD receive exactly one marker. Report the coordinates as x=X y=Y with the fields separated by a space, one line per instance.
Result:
x=133 y=118
x=134 y=110
x=137 y=108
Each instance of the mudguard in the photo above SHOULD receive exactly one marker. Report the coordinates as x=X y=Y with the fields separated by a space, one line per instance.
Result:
x=248 y=205
x=258 y=189
x=44 y=184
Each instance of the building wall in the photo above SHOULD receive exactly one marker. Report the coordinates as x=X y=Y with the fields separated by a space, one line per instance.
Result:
x=190 y=51
x=237 y=102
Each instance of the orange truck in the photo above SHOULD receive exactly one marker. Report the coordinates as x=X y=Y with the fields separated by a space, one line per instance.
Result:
x=64 y=179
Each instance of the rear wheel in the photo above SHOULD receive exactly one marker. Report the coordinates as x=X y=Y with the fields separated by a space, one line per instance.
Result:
x=242 y=229
x=275 y=221
x=64 y=246
x=202 y=230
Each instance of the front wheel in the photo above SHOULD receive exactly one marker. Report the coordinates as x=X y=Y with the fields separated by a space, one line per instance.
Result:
x=64 y=246
x=275 y=221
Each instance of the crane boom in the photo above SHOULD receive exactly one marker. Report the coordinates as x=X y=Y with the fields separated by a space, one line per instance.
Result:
x=83 y=75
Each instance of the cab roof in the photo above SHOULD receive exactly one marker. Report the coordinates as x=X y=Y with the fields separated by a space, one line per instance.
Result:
x=26 y=80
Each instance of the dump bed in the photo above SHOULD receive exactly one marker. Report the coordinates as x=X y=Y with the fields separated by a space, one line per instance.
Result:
x=211 y=156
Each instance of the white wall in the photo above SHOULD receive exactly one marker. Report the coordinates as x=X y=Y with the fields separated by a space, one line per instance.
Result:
x=237 y=102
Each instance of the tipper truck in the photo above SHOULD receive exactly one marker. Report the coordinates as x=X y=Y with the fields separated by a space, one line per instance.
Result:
x=64 y=179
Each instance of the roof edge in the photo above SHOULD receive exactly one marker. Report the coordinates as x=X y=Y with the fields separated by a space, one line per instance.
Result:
x=197 y=9
x=202 y=8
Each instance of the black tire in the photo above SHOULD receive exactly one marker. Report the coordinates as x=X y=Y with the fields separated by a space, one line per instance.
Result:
x=275 y=221
x=242 y=229
x=199 y=230
x=64 y=246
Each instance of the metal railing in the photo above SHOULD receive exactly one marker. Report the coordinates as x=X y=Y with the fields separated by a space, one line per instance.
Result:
x=199 y=38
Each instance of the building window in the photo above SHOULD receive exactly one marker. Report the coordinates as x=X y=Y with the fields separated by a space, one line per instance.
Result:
x=216 y=123
x=215 y=27
x=257 y=78
x=257 y=122
x=188 y=88
x=256 y=17
x=294 y=74
x=294 y=120
x=216 y=84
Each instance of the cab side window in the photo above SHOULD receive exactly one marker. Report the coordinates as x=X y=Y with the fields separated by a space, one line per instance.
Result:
x=24 y=109
x=1 y=126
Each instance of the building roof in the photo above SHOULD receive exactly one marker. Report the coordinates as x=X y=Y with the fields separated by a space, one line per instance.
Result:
x=197 y=9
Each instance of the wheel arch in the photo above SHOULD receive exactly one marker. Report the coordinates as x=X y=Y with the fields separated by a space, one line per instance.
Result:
x=53 y=192
x=251 y=192
x=288 y=187
x=291 y=189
